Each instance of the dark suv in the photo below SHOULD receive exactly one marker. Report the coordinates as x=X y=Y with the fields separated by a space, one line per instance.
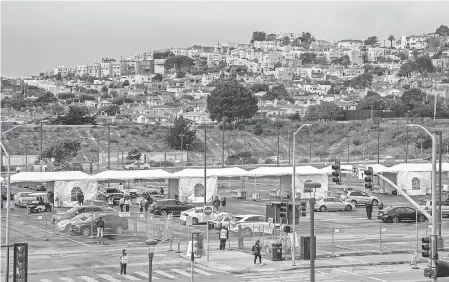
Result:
x=116 y=194
x=164 y=207
x=113 y=224
x=79 y=210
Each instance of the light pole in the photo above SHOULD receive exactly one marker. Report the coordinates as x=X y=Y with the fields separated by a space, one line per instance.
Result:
x=435 y=238
x=348 y=149
x=205 y=166
x=223 y=130
x=294 y=190
x=150 y=244
x=278 y=145
x=439 y=184
x=288 y=136
x=109 y=147
x=229 y=139
x=182 y=143
x=41 y=160
x=378 y=141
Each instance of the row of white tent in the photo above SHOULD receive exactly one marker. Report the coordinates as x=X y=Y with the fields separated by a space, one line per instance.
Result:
x=213 y=172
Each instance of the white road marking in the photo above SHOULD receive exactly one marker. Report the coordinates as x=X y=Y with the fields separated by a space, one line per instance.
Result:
x=203 y=272
x=108 y=277
x=66 y=279
x=143 y=274
x=182 y=272
x=88 y=279
x=208 y=269
x=130 y=277
x=349 y=272
x=163 y=273
x=45 y=280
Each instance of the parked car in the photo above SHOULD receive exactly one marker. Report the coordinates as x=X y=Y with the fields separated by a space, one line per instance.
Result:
x=360 y=198
x=79 y=210
x=23 y=198
x=65 y=225
x=164 y=207
x=253 y=223
x=137 y=165
x=332 y=204
x=132 y=192
x=398 y=214
x=197 y=215
x=222 y=221
x=115 y=193
x=427 y=205
x=37 y=206
x=113 y=224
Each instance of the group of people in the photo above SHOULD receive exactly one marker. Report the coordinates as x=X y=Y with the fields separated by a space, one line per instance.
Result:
x=125 y=203
x=223 y=236
x=217 y=202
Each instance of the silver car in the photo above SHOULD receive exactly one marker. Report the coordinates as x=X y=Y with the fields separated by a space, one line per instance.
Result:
x=332 y=204
x=360 y=198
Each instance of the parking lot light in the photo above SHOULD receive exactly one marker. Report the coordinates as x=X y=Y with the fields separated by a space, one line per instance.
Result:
x=150 y=244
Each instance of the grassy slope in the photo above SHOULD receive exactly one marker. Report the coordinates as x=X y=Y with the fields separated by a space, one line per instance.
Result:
x=329 y=137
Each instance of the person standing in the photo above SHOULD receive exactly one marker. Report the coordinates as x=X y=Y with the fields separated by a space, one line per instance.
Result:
x=256 y=251
x=240 y=237
x=100 y=228
x=122 y=203
x=223 y=203
x=216 y=202
x=82 y=198
x=369 y=210
x=142 y=204
x=223 y=236
x=123 y=262
x=161 y=191
x=91 y=168
x=128 y=203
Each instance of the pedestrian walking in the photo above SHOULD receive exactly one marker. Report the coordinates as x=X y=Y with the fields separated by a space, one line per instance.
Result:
x=110 y=201
x=142 y=204
x=100 y=228
x=240 y=237
x=161 y=191
x=223 y=236
x=223 y=203
x=123 y=262
x=82 y=199
x=122 y=203
x=51 y=198
x=11 y=202
x=91 y=168
x=256 y=251
x=216 y=202
x=369 y=210
x=128 y=203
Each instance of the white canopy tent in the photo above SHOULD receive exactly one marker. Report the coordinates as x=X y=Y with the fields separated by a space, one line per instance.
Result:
x=285 y=170
x=48 y=176
x=132 y=174
x=218 y=172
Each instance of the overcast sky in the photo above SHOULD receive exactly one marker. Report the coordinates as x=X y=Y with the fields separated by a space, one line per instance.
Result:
x=36 y=36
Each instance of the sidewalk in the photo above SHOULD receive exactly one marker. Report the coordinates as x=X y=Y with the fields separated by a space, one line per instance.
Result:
x=237 y=262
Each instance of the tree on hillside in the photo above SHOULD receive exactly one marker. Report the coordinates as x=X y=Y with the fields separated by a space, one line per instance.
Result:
x=372 y=40
x=180 y=126
x=65 y=96
x=104 y=88
x=308 y=58
x=260 y=88
x=84 y=97
x=161 y=54
x=231 y=101
x=361 y=81
x=278 y=65
x=413 y=98
x=325 y=111
x=111 y=110
x=76 y=116
x=402 y=56
x=391 y=39
x=258 y=36
x=125 y=83
x=62 y=151
x=372 y=100
x=134 y=155
x=285 y=41
x=277 y=92
x=15 y=103
x=442 y=30
x=407 y=69
x=270 y=37
x=425 y=139
x=424 y=64
x=47 y=98
x=179 y=63
x=113 y=93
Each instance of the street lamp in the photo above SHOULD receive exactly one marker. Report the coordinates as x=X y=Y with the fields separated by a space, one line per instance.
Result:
x=150 y=244
x=434 y=194
x=293 y=188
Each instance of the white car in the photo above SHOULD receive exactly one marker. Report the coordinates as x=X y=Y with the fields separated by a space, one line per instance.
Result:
x=332 y=204
x=253 y=223
x=197 y=215
x=360 y=198
x=137 y=165
x=222 y=221
x=21 y=199
x=65 y=225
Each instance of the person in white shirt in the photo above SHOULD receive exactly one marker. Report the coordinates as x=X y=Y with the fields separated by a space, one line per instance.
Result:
x=128 y=204
x=123 y=262
x=122 y=203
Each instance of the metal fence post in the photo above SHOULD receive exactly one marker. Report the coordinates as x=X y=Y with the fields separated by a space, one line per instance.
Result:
x=135 y=223
x=333 y=242
x=26 y=215
x=92 y=225
x=171 y=242
x=380 y=239
x=152 y=227
x=46 y=221
x=179 y=247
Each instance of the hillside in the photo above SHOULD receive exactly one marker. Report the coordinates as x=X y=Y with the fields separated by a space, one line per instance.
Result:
x=328 y=140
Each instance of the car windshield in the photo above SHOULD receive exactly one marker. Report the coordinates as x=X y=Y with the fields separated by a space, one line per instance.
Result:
x=386 y=210
x=237 y=218
x=81 y=217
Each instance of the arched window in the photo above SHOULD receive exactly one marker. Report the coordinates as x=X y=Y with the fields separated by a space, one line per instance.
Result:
x=74 y=194
x=416 y=183
x=198 y=191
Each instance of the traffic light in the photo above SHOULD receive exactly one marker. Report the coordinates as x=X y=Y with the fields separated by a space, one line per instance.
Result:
x=426 y=246
x=20 y=262
x=336 y=172
x=283 y=214
x=441 y=268
x=303 y=208
x=369 y=178
x=199 y=246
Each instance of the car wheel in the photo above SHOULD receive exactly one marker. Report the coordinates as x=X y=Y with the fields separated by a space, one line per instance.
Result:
x=323 y=208
x=194 y=221
x=354 y=202
x=421 y=218
x=164 y=213
x=247 y=232
x=119 y=229
x=348 y=208
x=145 y=168
x=395 y=219
x=384 y=220
x=374 y=202
x=130 y=168
x=267 y=250
x=86 y=231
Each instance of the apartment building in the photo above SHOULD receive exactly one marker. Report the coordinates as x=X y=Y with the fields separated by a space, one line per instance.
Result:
x=350 y=43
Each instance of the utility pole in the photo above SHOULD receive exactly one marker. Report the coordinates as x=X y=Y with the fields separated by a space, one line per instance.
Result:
x=289 y=162
x=440 y=238
x=98 y=164
x=109 y=147
x=26 y=156
x=222 y=157
x=310 y=150
x=348 y=149
x=41 y=158
x=378 y=141
x=278 y=147
x=205 y=166
x=229 y=139
x=165 y=155
x=118 y=157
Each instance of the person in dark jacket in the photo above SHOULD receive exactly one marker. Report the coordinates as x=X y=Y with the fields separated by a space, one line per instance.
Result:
x=216 y=202
x=369 y=210
x=240 y=237
x=256 y=251
x=223 y=203
x=100 y=228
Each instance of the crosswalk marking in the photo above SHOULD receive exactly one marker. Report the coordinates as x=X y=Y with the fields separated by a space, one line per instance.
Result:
x=88 y=279
x=130 y=277
x=144 y=274
x=163 y=273
x=202 y=272
x=208 y=269
x=182 y=272
x=108 y=277
x=66 y=279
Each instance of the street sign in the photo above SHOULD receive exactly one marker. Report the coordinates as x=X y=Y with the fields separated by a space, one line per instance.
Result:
x=39 y=217
x=208 y=213
x=124 y=214
x=189 y=220
x=337 y=230
x=384 y=229
x=141 y=215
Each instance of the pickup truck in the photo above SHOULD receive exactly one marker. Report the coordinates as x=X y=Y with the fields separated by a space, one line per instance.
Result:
x=427 y=205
